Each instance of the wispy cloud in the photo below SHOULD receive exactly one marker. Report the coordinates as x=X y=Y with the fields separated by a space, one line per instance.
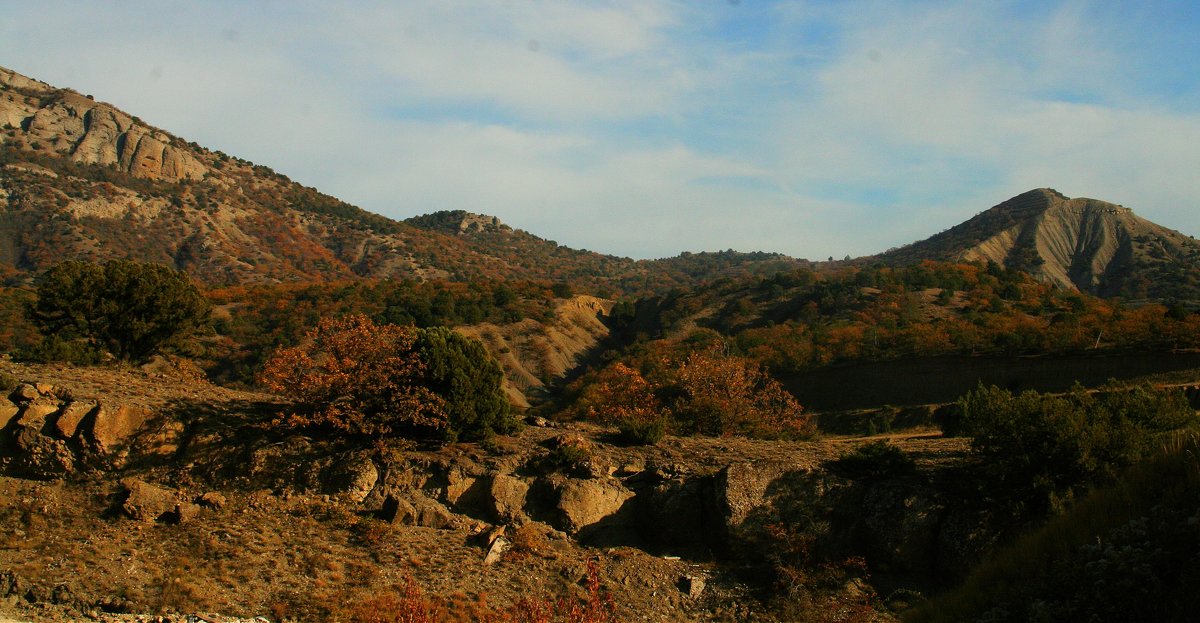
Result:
x=651 y=127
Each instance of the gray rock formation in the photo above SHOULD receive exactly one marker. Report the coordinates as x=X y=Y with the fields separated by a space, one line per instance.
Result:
x=91 y=132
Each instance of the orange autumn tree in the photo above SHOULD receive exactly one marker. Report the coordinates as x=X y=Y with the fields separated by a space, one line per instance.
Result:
x=620 y=396
x=705 y=392
x=357 y=377
x=720 y=394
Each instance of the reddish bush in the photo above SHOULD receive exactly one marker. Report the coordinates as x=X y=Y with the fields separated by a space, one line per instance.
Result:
x=355 y=376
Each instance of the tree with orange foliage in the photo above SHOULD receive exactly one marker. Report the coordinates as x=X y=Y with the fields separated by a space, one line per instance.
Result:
x=621 y=396
x=719 y=394
x=357 y=377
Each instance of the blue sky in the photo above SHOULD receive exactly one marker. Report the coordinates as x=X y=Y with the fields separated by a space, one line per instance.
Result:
x=646 y=128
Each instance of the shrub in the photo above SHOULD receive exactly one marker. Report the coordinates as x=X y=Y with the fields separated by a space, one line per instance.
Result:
x=645 y=432
x=1038 y=450
x=407 y=604
x=570 y=456
x=131 y=309
x=874 y=461
x=621 y=396
x=466 y=377
x=357 y=377
x=719 y=394
x=55 y=348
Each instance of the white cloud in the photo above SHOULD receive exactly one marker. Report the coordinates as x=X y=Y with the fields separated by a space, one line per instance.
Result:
x=922 y=105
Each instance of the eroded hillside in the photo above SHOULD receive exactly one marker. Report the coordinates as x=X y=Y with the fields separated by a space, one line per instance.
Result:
x=1084 y=244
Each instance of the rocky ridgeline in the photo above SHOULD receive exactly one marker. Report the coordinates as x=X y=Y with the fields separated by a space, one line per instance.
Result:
x=91 y=132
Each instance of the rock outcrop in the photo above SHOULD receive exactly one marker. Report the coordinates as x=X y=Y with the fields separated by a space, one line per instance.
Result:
x=53 y=436
x=91 y=132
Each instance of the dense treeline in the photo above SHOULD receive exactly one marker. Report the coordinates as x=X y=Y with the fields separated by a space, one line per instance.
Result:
x=802 y=319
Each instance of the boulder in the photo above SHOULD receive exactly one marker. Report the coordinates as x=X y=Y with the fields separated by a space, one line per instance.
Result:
x=395 y=510
x=24 y=393
x=186 y=511
x=8 y=413
x=146 y=502
x=42 y=456
x=212 y=500
x=67 y=423
x=506 y=498
x=458 y=484
x=742 y=488
x=354 y=478
x=585 y=503
x=416 y=511
x=35 y=415
x=495 y=551
x=692 y=585
x=39 y=455
x=431 y=514
x=111 y=427
x=160 y=437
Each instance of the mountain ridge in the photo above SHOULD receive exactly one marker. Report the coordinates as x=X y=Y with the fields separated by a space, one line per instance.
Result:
x=82 y=179
x=1080 y=243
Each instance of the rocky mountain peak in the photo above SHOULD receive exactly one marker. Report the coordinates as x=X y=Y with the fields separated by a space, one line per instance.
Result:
x=458 y=222
x=44 y=119
x=1079 y=244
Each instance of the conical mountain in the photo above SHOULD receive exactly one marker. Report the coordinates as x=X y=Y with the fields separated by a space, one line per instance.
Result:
x=1085 y=244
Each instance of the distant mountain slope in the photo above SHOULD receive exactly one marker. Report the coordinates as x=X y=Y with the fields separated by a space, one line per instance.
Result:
x=488 y=235
x=1085 y=244
x=81 y=179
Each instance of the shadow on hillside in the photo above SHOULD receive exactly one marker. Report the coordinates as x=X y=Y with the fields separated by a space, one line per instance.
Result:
x=235 y=444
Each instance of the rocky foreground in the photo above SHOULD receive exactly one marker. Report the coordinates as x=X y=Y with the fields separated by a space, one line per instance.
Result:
x=138 y=492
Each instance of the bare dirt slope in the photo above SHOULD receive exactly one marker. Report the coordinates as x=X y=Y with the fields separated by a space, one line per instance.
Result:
x=535 y=354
